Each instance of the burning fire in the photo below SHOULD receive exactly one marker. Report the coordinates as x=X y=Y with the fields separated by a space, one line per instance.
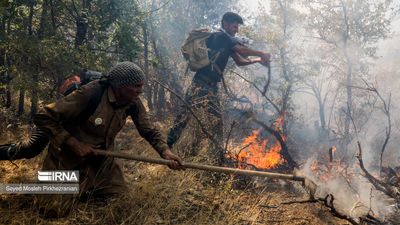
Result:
x=331 y=169
x=324 y=173
x=257 y=154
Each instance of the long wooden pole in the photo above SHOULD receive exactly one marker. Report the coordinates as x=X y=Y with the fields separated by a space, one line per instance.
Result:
x=218 y=169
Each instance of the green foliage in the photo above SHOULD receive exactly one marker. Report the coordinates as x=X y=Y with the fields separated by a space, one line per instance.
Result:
x=4 y=4
x=126 y=42
x=38 y=41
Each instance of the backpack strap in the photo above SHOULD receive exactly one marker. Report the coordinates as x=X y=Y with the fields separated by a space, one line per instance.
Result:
x=94 y=101
x=213 y=63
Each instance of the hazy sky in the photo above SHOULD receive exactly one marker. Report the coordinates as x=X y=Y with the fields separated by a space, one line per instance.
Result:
x=388 y=49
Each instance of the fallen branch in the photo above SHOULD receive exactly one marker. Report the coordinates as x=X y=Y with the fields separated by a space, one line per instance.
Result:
x=275 y=221
x=328 y=202
x=388 y=189
x=289 y=203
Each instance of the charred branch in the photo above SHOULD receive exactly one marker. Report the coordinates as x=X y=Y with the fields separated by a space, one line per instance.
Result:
x=327 y=201
x=330 y=154
x=285 y=151
x=388 y=189
x=386 y=110
x=233 y=124
x=289 y=203
x=242 y=99
x=263 y=93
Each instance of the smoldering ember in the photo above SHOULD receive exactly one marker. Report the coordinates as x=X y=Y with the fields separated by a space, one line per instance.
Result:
x=200 y=112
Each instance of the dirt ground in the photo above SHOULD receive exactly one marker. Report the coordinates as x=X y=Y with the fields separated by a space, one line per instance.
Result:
x=158 y=195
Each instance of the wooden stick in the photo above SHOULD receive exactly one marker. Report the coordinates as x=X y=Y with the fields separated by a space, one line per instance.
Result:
x=218 y=169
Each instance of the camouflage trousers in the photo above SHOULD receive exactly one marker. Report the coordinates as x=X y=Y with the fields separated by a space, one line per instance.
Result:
x=202 y=98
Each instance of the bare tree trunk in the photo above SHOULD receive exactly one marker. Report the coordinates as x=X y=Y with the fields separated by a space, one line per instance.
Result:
x=81 y=29
x=8 y=101
x=8 y=87
x=35 y=76
x=155 y=96
x=321 y=106
x=286 y=93
x=42 y=31
x=161 y=102
x=34 y=92
x=349 y=104
x=21 y=102
x=149 y=89
x=168 y=78
x=30 y=18
x=7 y=28
x=82 y=24
x=53 y=17
x=349 y=77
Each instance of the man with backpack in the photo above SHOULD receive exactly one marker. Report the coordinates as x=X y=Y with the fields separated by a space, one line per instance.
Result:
x=209 y=63
x=74 y=135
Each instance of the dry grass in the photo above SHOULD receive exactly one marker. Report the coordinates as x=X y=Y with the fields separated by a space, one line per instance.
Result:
x=161 y=196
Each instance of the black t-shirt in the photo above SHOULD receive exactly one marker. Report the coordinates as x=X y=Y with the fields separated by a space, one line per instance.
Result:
x=217 y=42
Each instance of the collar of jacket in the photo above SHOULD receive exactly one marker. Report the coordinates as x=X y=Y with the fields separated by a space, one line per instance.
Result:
x=239 y=40
x=224 y=31
x=113 y=100
x=111 y=96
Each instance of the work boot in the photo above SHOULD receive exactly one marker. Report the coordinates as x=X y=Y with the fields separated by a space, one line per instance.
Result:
x=26 y=149
x=5 y=151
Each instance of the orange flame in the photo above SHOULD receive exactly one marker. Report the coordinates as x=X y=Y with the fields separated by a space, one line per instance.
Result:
x=257 y=153
x=314 y=165
x=325 y=173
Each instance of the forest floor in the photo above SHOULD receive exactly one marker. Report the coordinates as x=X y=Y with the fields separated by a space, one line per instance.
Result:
x=158 y=195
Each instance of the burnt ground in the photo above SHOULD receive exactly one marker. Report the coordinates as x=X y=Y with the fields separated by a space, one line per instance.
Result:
x=158 y=195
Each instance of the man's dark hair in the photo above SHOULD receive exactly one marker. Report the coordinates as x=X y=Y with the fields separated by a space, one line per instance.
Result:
x=231 y=17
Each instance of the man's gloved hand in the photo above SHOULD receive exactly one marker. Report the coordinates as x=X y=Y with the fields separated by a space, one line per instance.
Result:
x=175 y=162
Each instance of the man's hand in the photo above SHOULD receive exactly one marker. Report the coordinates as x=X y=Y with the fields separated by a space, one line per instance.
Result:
x=81 y=149
x=266 y=59
x=257 y=60
x=245 y=51
x=175 y=163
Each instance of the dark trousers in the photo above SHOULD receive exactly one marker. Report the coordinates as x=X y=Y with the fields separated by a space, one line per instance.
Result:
x=200 y=95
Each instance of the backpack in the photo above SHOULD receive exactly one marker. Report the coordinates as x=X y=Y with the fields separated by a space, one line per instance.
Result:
x=194 y=49
x=74 y=82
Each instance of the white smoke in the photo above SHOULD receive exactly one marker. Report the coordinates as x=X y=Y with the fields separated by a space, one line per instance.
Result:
x=354 y=195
